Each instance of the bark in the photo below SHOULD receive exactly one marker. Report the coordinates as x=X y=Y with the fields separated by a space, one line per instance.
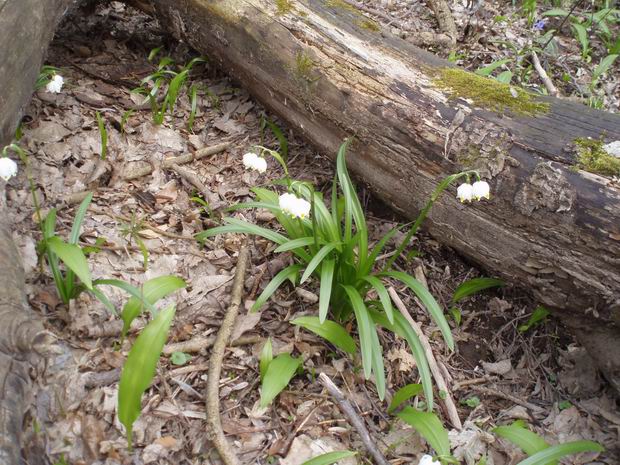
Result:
x=26 y=29
x=548 y=226
x=20 y=334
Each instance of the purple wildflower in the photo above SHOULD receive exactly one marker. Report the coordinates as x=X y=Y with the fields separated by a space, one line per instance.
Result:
x=540 y=24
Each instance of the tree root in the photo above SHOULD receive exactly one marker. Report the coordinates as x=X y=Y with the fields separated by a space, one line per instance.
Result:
x=215 y=433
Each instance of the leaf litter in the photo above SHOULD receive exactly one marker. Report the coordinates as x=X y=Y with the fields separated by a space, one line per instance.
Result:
x=73 y=412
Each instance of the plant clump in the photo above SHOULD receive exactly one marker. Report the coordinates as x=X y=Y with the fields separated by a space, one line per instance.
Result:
x=489 y=93
x=369 y=25
x=592 y=157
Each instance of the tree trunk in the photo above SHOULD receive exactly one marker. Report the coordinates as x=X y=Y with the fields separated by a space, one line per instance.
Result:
x=332 y=73
x=26 y=28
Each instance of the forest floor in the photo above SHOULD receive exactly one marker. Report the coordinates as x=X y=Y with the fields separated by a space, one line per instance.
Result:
x=496 y=375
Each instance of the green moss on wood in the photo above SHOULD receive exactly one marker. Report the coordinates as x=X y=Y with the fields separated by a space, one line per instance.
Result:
x=342 y=5
x=303 y=66
x=489 y=93
x=283 y=6
x=592 y=157
x=369 y=25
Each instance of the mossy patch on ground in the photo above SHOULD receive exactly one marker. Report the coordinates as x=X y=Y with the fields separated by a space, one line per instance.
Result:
x=592 y=157
x=489 y=93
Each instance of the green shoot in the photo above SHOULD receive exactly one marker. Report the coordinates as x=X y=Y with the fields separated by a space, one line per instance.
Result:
x=103 y=132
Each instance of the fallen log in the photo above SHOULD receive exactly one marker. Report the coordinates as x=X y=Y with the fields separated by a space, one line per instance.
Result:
x=26 y=28
x=331 y=73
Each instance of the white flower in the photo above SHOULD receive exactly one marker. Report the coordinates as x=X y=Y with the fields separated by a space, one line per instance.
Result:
x=8 y=168
x=55 y=85
x=481 y=189
x=428 y=460
x=294 y=206
x=260 y=165
x=254 y=162
x=465 y=192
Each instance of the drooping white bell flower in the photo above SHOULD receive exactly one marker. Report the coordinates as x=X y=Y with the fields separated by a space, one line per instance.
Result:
x=254 y=162
x=428 y=460
x=8 y=168
x=465 y=192
x=55 y=85
x=481 y=189
x=260 y=165
x=294 y=206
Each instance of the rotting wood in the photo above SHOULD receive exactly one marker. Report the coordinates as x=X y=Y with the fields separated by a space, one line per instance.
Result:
x=548 y=227
x=180 y=160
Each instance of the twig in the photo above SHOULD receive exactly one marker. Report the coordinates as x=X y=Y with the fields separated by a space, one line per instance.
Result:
x=510 y=397
x=432 y=363
x=543 y=75
x=214 y=425
x=470 y=382
x=180 y=160
x=354 y=418
x=193 y=179
x=199 y=343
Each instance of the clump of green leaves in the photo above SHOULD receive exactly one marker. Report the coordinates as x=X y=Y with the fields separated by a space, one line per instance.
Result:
x=163 y=87
x=332 y=246
x=275 y=373
x=539 y=315
x=592 y=157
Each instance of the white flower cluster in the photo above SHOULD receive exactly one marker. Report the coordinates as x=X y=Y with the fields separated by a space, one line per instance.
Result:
x=55 y=85
x=294 y=206
x=8 y=168
x=428 y=460
x=466 y=192
x=254 y=162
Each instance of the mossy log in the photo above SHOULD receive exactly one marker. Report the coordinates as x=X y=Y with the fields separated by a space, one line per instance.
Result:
x=26 y=28
x=548 y=227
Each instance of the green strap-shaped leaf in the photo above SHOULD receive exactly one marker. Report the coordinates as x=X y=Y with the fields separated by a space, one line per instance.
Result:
x=473 y=286
x=325 y=292
x=73 y=257
x=329 y=330
x=140 y=366
x=428 y=301
x=384 y=297
x=527 y=440
x=290 y=272
x=404 y=394
x=316 y=261
x=128 y=288
x=278 y=374
x=152 y=290
x=402 y=327
x=294 y=244
x=79 y=219
x=377 y=361
x=364 y=326
x=430 y=428
x=266 y=356
x=554 y=453
x=330 y=457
